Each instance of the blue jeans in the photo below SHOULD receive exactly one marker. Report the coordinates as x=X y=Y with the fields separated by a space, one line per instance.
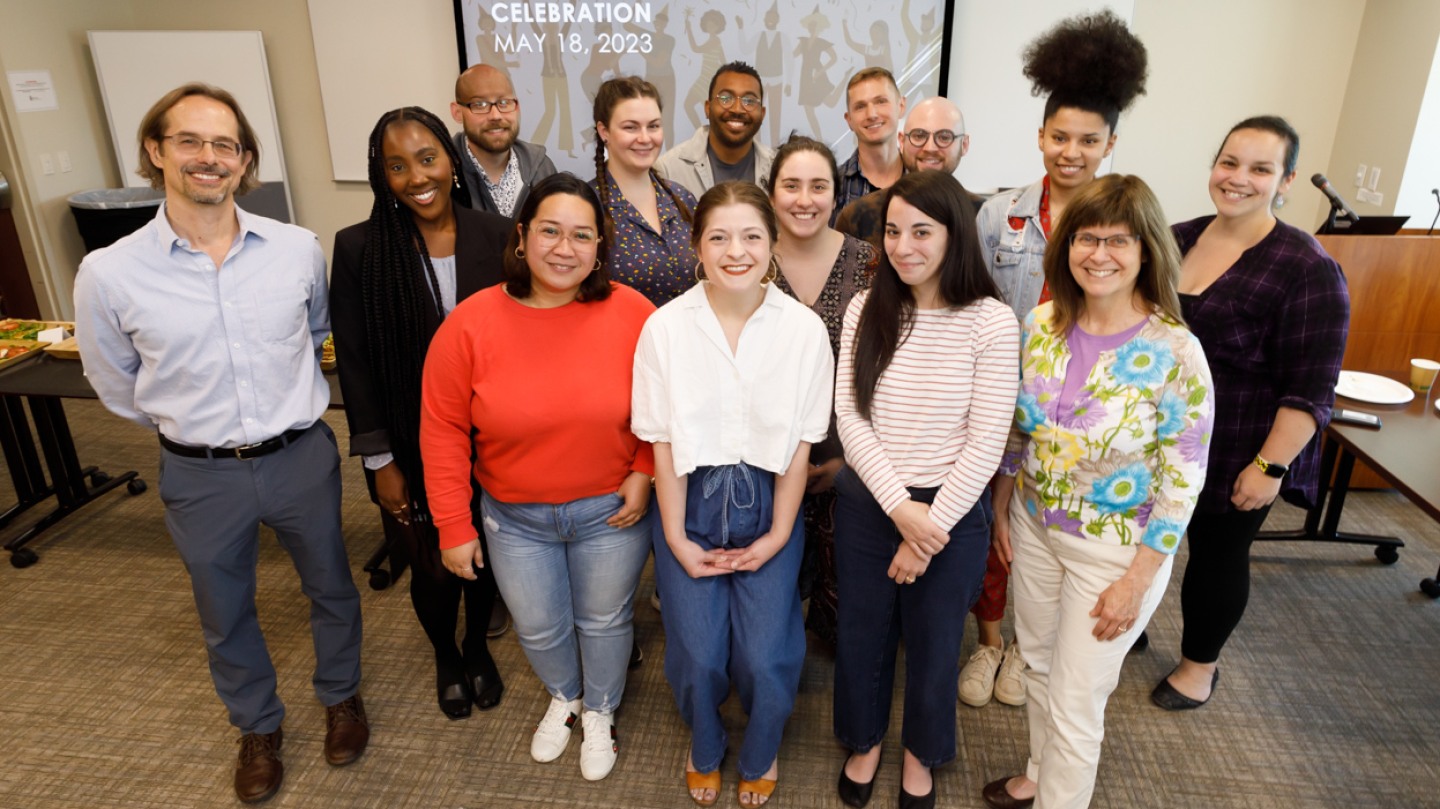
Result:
x=876 y=614
x=744 y=628
x=569 y=581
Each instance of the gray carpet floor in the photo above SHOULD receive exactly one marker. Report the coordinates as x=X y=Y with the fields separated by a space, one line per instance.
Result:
x=1328 y=695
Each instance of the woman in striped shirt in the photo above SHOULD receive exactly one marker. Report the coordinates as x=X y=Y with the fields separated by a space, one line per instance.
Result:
x=924 y=400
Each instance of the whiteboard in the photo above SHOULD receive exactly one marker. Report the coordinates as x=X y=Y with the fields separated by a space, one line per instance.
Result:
x=136 y=68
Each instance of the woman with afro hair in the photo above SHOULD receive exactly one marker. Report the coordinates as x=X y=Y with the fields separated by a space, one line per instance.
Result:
x=1092 y=68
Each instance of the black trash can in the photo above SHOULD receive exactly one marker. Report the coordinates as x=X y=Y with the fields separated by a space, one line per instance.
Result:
x=105 y=215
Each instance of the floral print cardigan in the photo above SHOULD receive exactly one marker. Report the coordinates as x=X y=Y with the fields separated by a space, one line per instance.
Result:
x=1125 y=462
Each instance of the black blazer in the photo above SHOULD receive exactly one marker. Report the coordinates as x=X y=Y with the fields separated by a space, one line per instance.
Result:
x=479 y=243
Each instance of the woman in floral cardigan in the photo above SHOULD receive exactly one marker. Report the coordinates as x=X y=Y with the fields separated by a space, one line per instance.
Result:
x=1110 y=446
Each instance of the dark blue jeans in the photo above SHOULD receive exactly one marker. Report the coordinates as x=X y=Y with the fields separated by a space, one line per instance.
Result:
x=744 y=628
x=875 y=614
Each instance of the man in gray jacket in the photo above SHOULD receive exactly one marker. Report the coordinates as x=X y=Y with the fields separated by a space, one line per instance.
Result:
x=726 y=148
x=501 y=169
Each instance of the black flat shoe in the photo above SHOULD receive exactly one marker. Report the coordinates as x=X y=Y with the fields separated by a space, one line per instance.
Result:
x=853 y=793
x=452 y=693
x=927 y=801
x=997 y=797
x=485 y=685
x=1168 y=698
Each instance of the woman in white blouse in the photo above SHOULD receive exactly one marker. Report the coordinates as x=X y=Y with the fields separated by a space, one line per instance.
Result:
x=732 y=386
x=924 y=400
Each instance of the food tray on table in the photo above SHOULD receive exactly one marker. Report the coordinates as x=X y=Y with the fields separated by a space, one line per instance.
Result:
x=14 y=352
x=12 y=328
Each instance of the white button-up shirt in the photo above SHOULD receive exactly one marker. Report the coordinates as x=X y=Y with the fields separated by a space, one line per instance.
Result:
x=714 y=407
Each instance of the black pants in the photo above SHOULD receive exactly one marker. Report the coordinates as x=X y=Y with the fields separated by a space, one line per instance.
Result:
x=1216 y=586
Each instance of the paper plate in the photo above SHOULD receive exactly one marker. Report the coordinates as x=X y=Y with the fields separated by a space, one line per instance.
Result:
x=1373 y=389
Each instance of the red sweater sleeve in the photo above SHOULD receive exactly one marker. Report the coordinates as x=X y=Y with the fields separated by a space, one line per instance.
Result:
x=445 y=424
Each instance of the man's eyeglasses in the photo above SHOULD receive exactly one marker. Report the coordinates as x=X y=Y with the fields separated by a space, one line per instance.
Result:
x=189 y=146
x=943 y=137
x=1090 y=242
x=727 y=100
x=480 y=106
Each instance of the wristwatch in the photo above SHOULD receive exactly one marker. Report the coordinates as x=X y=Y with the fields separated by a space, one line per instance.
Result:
x=1270 y=468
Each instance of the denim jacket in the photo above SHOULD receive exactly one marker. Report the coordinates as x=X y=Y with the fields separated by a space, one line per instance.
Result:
x=1015 y=258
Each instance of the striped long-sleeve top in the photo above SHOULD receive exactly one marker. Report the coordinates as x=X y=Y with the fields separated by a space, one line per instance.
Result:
x=941 y=411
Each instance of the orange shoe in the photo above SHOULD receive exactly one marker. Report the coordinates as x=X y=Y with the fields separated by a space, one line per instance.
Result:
x=760 y=786
x=702 y=781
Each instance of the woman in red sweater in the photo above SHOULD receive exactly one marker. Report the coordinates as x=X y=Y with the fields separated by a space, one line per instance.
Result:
x=531 y=380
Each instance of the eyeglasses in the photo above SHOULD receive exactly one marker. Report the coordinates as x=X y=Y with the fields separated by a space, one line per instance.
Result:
x=550 y=236
x=1090 y=242
x=189 y=146
x=943 y=137
x=727 y=100
x=481 y=106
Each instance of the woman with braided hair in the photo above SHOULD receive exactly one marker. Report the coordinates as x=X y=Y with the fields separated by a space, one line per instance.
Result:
x=648 y=216
x=396 y=276
x=1091 y=68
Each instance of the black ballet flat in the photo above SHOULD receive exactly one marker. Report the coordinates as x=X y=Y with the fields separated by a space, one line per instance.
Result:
x=853 y=793
x=927 y=801
x=1165 y=695
x=485 y=685
x=452 y=693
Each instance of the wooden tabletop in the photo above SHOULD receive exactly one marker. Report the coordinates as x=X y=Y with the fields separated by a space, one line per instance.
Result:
x=1405 y=450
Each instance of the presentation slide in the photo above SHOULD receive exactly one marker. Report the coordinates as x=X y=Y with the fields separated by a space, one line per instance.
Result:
x=559 y=53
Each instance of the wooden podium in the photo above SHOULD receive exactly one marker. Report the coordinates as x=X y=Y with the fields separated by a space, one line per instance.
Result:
x=1394 y=307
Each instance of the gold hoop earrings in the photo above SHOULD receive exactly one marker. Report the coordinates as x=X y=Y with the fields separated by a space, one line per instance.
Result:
x=520 y=252
x=699 y=272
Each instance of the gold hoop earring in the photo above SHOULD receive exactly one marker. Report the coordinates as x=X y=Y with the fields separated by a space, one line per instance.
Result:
x=520 y=252
x=699 y=272
x=771 y=272
x=599 y=265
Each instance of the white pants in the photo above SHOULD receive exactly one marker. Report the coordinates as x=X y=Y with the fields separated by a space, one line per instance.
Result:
x=1056 y=580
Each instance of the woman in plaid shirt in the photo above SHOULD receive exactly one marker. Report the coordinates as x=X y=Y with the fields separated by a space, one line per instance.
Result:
x=1271 y=309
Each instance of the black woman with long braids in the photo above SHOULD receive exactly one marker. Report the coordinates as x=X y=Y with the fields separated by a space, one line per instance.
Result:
x=396 y=276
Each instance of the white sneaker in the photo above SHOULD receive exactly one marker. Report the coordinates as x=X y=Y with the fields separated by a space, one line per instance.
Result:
x=552 y=735
x=977 y=678
x=600 y=747
x=1010 y=683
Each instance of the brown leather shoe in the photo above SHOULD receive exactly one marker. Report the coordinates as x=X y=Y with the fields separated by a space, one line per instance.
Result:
x=258 y=772
x=347 y=731
x=997 y=797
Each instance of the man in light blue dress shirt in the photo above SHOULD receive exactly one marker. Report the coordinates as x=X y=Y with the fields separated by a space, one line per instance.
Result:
x=205 y=325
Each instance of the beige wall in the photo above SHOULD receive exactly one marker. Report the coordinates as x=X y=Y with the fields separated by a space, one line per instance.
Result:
x=1216 y=62
x=1382 y=99
x=51 y=36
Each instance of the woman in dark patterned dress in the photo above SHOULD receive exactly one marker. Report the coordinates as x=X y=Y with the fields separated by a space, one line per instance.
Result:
x=823 y=269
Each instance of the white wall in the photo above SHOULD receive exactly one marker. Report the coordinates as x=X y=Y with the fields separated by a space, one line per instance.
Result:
x=1422 y=168
x=986 y=80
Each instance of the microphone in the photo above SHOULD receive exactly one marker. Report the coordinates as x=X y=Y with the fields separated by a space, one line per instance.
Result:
x=1331 y=194
x=1436 y=192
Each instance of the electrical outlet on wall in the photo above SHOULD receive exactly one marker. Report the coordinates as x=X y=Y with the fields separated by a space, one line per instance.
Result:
x=64 y=160
x=1374 y=178
x=1360 y=176
x=47 y=164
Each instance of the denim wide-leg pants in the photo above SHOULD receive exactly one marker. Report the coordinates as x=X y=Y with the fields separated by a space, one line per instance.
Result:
x=741 y=628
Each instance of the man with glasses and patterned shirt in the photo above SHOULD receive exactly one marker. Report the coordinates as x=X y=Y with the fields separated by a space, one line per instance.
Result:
x=725 y=149
x=500 y=167
x=933 y=139
x=205 y=326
